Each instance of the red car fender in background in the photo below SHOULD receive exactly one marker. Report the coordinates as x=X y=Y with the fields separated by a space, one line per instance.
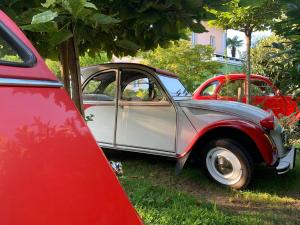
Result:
x=51 y=169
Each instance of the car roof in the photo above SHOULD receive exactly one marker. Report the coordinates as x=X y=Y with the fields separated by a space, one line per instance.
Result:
x=89 y=70
x=236 y=76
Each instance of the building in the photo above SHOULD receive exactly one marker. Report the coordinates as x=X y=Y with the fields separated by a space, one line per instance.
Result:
x=217 y=37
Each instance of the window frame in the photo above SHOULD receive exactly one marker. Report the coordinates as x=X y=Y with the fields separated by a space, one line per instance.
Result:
x=208 y=85
x=122 y=102
x=98 y=73
x=25 y=53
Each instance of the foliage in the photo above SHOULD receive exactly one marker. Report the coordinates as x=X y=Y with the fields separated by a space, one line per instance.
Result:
x=49 y=23
x=247 y=17
x=291 y=127
x=117 y=27
x=233 y=44
x=267 y=61
x=55 y=67
x=288 y=26
x=97 y=58
x=192 y=64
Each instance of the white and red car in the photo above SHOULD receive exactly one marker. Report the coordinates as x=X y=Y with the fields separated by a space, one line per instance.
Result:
x=143 y=109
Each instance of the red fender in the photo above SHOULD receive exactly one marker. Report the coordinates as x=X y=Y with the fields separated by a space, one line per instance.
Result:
x=261 y=140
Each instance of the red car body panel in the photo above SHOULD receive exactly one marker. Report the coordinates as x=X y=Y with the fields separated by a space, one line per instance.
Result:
x=279 y=104
x=254 y=132
x=51 y=169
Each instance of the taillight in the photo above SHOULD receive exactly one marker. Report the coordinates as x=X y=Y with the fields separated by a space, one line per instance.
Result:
x=268 y=122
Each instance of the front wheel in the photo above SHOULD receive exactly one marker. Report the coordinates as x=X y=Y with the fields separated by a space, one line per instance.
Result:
x=228 y=163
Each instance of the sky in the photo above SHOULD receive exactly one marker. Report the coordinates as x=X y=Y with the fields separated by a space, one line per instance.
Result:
x=256 y=36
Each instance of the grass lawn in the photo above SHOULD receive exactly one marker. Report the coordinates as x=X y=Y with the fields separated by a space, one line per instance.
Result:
x=161 y=198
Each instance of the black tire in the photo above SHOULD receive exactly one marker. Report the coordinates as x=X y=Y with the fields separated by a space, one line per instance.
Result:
x=241 y=163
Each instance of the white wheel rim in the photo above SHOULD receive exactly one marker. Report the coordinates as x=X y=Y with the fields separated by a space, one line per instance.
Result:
x=224 y=166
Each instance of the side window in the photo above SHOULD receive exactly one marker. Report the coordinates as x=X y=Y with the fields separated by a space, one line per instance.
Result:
x=231 y=88
x=137 y=86
x=210 y=89
x=101 y=87
x=8 y=54
x=261 y=88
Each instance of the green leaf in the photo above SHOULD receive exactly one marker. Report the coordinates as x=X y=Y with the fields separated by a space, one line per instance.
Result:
x=99 y=18
x=74 y=7
x=90 y=5
x=44 y=17
x=48 y=27
x=60 y=37
x=48 y=3
x=126 y=44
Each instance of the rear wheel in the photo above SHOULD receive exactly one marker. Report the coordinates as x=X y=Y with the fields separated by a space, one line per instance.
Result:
x=228 y=163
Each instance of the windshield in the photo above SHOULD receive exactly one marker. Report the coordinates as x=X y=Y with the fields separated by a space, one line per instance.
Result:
x=174 y=87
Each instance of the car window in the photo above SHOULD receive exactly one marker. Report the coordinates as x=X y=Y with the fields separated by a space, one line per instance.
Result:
x=101 y=87
x=174 y=87
x=8 y=54
x=209 y=90
x=261 y=88
x=137 y=86
x=231 y=88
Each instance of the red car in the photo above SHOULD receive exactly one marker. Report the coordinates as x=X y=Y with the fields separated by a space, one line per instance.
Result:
x=51 y=168
x=264 y=93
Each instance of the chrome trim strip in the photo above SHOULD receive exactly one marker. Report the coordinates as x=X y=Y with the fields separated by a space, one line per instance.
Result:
x=29 y=83
x=138 y=150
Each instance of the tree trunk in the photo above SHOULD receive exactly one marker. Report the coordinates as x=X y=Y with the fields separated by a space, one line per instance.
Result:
x=233 y=51
x=75 y=74
x=63 y=56
x=248 y=68
x=69 y=58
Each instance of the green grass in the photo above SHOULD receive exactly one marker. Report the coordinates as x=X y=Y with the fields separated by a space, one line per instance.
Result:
x=161 y=198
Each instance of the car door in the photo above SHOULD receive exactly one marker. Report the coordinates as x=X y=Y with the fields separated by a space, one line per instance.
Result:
x=99 y=99
x=51 y=169
x=263 y=96
x=146 y=118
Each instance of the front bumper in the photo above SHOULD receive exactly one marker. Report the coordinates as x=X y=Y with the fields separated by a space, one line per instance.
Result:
x=287 y=163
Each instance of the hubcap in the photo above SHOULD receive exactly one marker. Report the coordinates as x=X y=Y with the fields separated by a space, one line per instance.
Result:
x=224 y=166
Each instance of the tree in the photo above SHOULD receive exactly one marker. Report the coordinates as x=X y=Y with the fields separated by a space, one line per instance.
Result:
x=247 y=17
x=192 y=64
x=288 y=26
x=267 y=60
x=233 y=44
x=71 y=27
